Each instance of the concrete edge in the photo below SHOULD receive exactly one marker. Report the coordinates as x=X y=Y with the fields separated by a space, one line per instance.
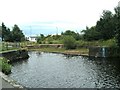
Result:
x=10 y=81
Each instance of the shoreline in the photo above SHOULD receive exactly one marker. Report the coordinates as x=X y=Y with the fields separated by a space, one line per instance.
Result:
x=10 y=82
x=64 y=52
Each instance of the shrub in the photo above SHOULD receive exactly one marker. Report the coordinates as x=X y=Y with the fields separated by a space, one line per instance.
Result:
x=5 y=66
x=69 y=42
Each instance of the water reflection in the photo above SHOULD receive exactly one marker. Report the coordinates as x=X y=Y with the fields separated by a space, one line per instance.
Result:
x=20 y=62
x=48 y=70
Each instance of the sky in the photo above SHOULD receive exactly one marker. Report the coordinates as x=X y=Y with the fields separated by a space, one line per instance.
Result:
x=53 y=16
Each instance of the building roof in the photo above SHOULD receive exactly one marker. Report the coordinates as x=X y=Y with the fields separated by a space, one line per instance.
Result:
x=33 y=36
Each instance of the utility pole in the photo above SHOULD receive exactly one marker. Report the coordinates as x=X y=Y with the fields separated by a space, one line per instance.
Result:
x=57 y=31
x=30 y=31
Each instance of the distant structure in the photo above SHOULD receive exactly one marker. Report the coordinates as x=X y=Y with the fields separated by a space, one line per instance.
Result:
x=32 y=38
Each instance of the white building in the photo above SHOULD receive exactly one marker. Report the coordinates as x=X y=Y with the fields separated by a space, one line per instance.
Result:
x=32 y=38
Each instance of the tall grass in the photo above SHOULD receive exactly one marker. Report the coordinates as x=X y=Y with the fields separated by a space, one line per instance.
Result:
x=108 y=43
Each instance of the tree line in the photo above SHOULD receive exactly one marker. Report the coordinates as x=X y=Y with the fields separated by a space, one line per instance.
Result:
x=107 y=27
x=14 y=35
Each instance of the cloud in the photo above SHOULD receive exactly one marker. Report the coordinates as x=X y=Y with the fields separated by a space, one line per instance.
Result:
x=64 y=14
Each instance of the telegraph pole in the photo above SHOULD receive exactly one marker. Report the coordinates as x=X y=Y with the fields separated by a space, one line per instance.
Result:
x=57 y=31
x=30 y=31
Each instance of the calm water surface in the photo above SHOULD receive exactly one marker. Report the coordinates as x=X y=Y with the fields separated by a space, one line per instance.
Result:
x=48 y=70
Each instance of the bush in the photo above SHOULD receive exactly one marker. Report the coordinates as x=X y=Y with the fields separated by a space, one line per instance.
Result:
x=69 y=42
x=5 y=66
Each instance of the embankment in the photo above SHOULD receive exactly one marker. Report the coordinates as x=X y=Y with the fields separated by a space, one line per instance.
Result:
x=15 y=55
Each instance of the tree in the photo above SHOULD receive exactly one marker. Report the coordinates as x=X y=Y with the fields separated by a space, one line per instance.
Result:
x=69 y=42
x=40 y=38
x=8 y=35
x=56 y=37
x=17 y=34
x=77 y=36
x=117 y=20
x=106 y=26
x=3 y=31
x=90 y=34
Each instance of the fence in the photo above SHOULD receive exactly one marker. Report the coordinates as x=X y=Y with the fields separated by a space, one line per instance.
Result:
x=9 y=46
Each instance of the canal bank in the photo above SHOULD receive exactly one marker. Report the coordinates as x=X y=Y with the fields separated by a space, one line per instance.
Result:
x=15 y=55
x=95 y=51
x=12 y=56
x=7 y=83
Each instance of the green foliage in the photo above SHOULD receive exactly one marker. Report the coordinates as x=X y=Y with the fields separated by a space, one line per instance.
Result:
x=6 y=34
x=107 y=27
x=69 y=42
x=5 y=66
x=49 y=39
x=91 y=34
x=17 y=34
x=77 y=36
x=56 y=37
x=40 y=38
x=106 y=24
x=108 y=43
x=117 y=20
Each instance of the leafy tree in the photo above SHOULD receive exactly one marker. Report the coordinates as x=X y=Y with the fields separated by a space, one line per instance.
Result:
x=40 y=38
x=117 y=20
x=17 y=34
x=56 y=37
x=4 y=28
x=5 y=33
x=8 y=35
x=106 y=26
x=91 y=34
x=72 y=33
x=69 y=42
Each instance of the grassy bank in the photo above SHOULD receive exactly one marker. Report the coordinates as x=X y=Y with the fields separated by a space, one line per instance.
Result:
x=5 y=67
x=63 y=50
x=108 y=43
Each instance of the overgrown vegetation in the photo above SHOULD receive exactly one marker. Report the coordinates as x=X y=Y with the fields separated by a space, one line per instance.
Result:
x=69 y=42
x=5 y=66
x=107 y=27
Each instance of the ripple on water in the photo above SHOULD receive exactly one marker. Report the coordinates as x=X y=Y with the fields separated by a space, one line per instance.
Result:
x=48 y=70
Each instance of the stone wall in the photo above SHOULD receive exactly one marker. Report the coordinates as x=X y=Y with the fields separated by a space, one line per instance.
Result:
x=104 y=52
x=45 y=46
x=15 y=55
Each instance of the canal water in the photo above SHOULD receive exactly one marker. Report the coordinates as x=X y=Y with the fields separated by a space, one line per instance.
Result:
x=50 y=70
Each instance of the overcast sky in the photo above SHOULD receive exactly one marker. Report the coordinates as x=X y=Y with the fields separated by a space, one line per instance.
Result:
x=53 y=16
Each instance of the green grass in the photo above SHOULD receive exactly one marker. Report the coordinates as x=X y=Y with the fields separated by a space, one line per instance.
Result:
x=108 y=43
x=5 y=66
x=49 y=49
x=62 y=50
